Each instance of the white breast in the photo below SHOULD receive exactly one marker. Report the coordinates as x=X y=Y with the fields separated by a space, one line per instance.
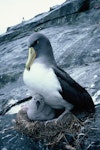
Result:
x=40 y=78
x=43 y=80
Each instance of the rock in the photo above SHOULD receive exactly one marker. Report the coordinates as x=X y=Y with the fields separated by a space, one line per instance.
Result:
x=54 y=7
x=10 y=139
x=74 y=31
x=61 y=14
x=91 y=139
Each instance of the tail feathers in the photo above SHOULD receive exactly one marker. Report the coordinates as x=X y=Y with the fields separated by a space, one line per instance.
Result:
x=87 y=102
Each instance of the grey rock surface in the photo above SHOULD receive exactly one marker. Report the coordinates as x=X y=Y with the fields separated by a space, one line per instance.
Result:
x=74 y=31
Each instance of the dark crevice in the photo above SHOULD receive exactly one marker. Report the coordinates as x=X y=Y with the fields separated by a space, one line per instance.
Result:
x=85 y=6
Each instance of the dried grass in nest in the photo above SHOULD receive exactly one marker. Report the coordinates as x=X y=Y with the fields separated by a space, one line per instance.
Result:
x=52 y=131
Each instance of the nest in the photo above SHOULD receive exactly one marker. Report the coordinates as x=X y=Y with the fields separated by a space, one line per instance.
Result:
x=52 y=130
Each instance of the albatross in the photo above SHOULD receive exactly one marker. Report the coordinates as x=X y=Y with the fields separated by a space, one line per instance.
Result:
x=44 y=77
x=37 y=109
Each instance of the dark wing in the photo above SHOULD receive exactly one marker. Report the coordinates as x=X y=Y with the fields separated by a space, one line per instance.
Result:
x=72 y=91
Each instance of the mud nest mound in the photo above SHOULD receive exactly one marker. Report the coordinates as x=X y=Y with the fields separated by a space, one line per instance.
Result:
x=52 y=130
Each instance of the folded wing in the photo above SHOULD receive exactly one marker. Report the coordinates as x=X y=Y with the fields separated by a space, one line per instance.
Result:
x=73 y=92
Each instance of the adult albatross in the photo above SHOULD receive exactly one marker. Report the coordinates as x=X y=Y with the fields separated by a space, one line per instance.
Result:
x=44 y=77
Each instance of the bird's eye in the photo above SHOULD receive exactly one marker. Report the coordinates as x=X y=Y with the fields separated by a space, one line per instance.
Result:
x=36 y=42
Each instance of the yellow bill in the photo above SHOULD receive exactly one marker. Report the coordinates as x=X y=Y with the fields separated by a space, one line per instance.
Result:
x=31 y=57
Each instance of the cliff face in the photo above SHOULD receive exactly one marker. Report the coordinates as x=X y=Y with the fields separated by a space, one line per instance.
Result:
x=74 y=31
